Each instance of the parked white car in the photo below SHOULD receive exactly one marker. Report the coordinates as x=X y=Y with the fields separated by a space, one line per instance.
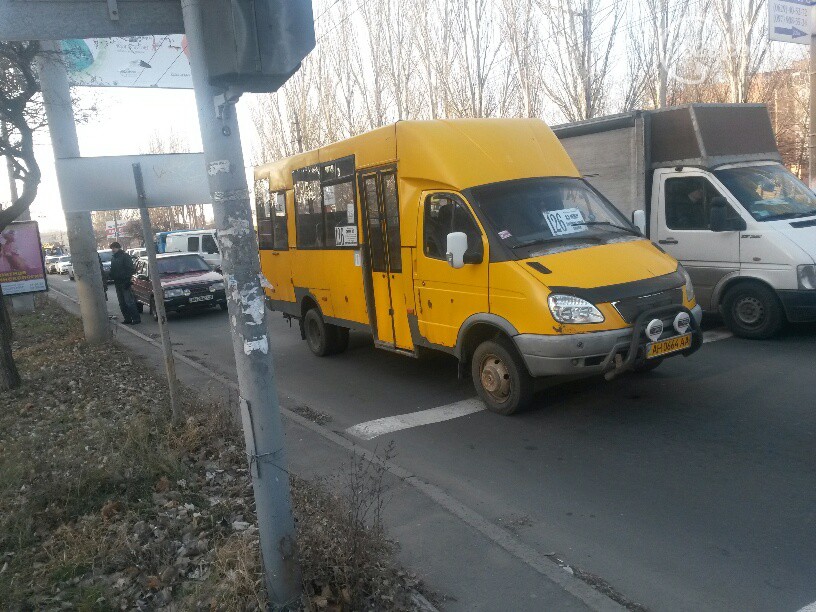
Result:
x=53 y=267
x=63 y=265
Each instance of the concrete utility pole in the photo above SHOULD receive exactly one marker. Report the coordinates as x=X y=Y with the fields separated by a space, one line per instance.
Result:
x=260 y=412
x=158 y=300
x=57 y=99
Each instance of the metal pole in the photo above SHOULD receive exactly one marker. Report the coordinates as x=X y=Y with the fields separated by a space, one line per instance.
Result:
x=260 y=411
x=812 y=117
x=158 y=300
x=57 y=100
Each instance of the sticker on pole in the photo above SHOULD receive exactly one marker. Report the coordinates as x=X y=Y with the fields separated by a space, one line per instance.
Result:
x=345 y=235
x=789 y=21
x=566 y=221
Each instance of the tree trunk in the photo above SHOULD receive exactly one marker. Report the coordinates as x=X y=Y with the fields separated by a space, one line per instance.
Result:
x=9 y=376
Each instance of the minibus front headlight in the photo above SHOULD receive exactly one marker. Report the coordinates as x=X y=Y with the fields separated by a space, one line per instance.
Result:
x=571 y=309
x=806 y=276
x=689 y=285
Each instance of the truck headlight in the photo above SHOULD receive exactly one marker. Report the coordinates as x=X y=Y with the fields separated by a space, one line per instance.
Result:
x=173 y=293
x=216 y=287
x=689 y=285
x=806 y=276
x=571 y=309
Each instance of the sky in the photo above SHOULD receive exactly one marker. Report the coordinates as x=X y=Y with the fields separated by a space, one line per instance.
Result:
x=123 y=125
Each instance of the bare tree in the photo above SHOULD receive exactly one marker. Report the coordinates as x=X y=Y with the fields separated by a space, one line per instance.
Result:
x=475 y=54
x=579 y=58
x=521 y=29
x=744 y=43
x=18 y=87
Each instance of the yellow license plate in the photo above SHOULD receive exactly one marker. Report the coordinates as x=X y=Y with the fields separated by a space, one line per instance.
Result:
x=669 y=345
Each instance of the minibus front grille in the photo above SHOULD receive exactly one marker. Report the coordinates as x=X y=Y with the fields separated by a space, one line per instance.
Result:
x=631 y=308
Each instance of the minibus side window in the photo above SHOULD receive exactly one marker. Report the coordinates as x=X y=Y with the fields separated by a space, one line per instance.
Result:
x=308 y=208
x=446 y=213
x=263 y=211
x=280 y=233
x=338 y=208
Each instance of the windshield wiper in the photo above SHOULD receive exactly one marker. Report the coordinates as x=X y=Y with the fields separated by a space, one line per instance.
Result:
x=789 y=215
x=610 y=224
x=527 y=243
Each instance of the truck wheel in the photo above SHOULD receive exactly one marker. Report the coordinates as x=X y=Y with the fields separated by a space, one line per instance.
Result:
x=752 y=310
x=500 y=377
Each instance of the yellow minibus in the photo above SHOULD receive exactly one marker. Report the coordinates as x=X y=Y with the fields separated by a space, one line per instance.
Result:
x=475 y=237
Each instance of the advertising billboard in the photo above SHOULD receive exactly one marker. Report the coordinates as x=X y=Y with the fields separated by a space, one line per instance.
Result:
x=136 y=61
x=22 y=269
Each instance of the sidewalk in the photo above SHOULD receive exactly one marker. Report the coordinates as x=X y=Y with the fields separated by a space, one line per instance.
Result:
x=468 y=561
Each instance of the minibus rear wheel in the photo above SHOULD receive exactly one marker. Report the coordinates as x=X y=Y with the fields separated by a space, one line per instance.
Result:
x=324 y=338
x=500 y=377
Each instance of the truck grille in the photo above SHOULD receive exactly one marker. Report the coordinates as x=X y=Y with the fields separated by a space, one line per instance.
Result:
x=631 y=308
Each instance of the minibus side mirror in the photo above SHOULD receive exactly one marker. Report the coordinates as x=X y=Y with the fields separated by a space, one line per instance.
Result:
x=639 y=220
x=456 y=247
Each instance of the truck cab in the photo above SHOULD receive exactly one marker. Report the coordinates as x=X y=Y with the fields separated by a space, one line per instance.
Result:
x=746 y=233
x=705 y=183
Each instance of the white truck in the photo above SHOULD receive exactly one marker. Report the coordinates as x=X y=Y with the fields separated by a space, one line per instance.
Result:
x=705 y=182
x=201 y=241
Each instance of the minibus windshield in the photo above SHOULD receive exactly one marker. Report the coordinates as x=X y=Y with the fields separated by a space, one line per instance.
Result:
x=542 y=215
x=769 y=193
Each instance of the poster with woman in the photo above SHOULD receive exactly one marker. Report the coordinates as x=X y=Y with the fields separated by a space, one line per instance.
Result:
x=22 y=269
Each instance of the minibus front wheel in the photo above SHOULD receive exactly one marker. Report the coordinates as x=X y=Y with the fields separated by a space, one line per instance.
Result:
x=324 y=338
x=500 y=377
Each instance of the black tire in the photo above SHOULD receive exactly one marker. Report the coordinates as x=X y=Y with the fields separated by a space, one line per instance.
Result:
x=139 y=307
x=223 y=307
x=318 y=335
x=646 y=366
x=153 y=312
x=500 y=377
x=752 y=310
x=341 y=339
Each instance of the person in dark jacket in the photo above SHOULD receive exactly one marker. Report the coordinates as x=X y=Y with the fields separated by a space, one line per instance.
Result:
x=121 y=271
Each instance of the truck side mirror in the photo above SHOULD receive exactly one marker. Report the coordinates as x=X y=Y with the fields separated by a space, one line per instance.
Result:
x=456 y=247
x=720 y=221
x=639 y=220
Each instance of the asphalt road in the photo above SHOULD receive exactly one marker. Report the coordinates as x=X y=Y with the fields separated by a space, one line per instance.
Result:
x=690 y=488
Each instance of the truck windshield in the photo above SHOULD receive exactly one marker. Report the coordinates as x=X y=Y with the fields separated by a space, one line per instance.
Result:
x=769 y=192
x=553 y=213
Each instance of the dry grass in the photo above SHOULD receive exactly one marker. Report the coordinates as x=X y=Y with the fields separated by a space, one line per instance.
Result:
x=103 y=504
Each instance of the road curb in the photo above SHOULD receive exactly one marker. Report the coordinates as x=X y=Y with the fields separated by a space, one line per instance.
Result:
x=544 y=565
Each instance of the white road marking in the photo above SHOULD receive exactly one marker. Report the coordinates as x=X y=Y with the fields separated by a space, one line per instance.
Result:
x=713 y=335
x=378 y=427
x=809 y=608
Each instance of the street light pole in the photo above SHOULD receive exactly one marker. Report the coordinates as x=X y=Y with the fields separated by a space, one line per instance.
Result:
x=260 y=411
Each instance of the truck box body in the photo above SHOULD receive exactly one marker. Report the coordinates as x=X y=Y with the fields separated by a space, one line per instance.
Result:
x=616 y=154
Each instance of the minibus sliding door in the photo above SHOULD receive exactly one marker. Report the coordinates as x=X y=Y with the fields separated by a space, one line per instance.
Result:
x=378 y=198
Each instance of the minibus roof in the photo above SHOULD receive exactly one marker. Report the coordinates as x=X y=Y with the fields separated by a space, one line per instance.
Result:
x=443 y=153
